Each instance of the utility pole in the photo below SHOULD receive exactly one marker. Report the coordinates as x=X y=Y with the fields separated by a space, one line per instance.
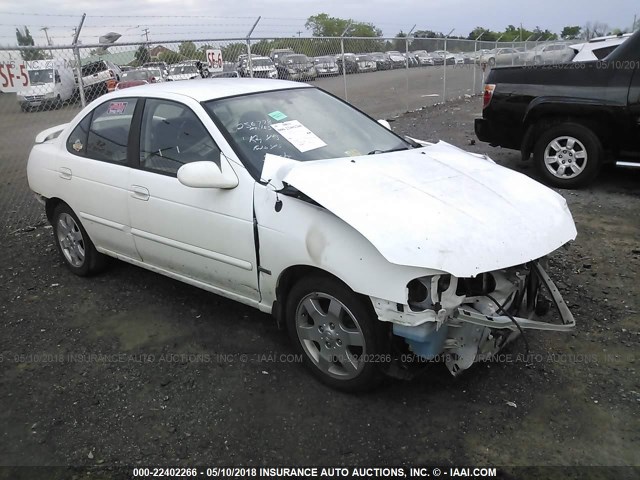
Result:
x=146 y=34
x=299 y=32
x=520 y=31
x=46 y=34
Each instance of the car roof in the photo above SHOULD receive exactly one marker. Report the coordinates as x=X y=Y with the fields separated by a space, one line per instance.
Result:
x=203 y=90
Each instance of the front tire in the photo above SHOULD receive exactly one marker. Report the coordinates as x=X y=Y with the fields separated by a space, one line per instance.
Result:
x=341 y=339
x=568 y=155
x=73 y=243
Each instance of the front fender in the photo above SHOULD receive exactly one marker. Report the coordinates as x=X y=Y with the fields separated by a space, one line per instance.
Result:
x=298 y=233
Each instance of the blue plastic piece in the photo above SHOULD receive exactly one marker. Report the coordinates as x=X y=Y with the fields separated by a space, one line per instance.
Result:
x=424 y=340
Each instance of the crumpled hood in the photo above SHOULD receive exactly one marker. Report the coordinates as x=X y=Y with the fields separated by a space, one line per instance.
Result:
x=437 y=207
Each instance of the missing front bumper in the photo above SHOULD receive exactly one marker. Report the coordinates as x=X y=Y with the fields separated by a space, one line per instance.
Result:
x=504 y=322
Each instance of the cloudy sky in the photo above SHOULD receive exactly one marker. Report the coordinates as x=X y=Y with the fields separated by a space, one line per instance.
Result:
x=174 y=19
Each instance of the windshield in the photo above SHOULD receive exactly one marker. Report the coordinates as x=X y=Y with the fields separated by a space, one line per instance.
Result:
x=303 y=124
x=136 y=75
x=296 y=59
x=183 y=69
x=40 y=76
x=261 y=62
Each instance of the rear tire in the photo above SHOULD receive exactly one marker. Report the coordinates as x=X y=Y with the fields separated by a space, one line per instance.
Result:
x=73 y=243
x=568 y=155
x=341 y=339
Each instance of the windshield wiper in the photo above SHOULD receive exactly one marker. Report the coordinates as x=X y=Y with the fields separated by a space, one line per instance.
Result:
x=375 y=152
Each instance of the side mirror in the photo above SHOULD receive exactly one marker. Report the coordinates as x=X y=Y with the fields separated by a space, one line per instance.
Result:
x=385 y=124
x=206 y=175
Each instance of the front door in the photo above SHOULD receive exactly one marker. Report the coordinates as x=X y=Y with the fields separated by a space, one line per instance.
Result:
x=205 y=234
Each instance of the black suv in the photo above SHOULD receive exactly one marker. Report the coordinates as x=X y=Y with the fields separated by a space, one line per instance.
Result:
x=573 y=117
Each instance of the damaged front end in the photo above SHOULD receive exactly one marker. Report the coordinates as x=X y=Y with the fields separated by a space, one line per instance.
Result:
x=465 y=320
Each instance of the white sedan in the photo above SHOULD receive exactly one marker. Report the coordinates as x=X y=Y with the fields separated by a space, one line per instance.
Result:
x=374 y=250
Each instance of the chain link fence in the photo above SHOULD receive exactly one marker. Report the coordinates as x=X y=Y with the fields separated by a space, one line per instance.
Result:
x=385 y=77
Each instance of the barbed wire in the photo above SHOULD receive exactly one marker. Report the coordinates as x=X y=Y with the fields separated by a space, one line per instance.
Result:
x=122 y=16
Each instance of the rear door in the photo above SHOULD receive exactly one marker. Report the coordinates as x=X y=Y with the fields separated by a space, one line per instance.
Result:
x=95 y=167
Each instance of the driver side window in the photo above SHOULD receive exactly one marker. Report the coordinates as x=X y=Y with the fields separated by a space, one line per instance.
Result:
x=172 y=135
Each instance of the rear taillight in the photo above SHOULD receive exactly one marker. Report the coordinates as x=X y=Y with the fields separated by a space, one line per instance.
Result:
x=488 y=93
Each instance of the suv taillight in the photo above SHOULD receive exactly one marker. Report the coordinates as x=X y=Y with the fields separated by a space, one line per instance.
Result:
x=488 y=93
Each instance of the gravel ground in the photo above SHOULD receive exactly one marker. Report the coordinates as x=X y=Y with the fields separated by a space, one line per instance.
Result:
x=131 y=368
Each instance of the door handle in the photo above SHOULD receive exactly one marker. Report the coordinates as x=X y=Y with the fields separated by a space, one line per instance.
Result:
x=139 y=193
x=65 y=173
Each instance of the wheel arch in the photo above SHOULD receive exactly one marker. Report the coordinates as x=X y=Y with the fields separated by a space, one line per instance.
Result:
x=545 y=113
x=50 y=206
x=290 y=275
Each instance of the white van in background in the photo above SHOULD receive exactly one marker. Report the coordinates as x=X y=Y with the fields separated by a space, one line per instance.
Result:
x=51 y=82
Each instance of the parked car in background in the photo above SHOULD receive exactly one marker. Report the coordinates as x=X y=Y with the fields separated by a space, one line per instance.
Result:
x=276 y=54
x=382 y=61
x=424 y=58
x=366 y=63
x=549 y=53
x=187 y=71
x=51 y=83
x=478 y=55
x=162 y=66
x=280 y=196
x=296 y=67
x=459 y=59
x=410 y=60
x=397 y=59
x=502 y=56
x=326 y=65
x=442 y=56
x=597 y=48
x=262 y=67
x=351 y=64
x=140 y=76
x=98 y=77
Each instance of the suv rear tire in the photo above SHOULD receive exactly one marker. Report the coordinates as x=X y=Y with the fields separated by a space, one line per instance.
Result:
x=568 y=155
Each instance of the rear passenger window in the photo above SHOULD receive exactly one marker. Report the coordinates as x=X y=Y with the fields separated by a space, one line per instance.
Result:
x=109 y=131
x=77 y=141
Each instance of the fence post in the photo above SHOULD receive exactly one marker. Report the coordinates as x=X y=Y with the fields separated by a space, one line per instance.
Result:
x=344 y=66
x=475 y=57
x=406 y=61
x=76 y=51
x=249 y=62
x=444 y=69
